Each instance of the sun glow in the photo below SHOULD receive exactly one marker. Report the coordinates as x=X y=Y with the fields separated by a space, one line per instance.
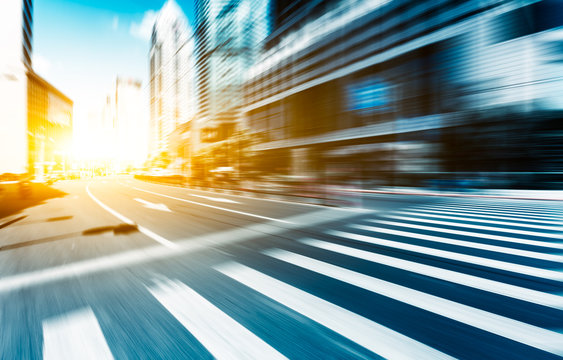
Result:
x=112 y=131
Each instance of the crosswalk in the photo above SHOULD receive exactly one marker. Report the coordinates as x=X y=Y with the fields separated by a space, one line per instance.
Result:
x=220 y=334
x=451 y=279
x=75 y=335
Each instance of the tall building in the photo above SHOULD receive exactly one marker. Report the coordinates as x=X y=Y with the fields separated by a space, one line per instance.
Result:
x=172 y=83
x=96 y=132
x=227 y=36
x=49 y=127
x=130 y=123
x=15 y=61
x=410 y=93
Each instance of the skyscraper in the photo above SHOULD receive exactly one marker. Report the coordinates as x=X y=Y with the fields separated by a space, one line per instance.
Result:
x=130 y=123
x=15 y=61
x=227 y=36
x=48 y=127
x=172 y=92
x=387 y=94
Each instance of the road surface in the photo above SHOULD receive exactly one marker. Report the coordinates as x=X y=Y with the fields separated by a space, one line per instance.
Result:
x=124 y=269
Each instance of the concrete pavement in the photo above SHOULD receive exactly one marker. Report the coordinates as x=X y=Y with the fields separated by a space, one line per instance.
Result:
x=120 y=268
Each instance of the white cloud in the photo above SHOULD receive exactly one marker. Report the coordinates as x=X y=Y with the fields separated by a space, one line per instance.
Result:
x=144 y=29
x=115 y=22
x=41 y=65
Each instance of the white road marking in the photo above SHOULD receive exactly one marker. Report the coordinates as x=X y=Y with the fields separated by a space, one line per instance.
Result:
x=213 y=207
x=147 y=232
x=553 y=245
x=475 y=226
x=369 y=334
x=155 y=253
x=472 y=214
x=494 y=211
x=492 y=286
x=150 y=205
x=75 y=335
x=515 y=208
x=469 y=244
x=462 y=218
x=470 y=259
x=509 y=204
x=222 y=336
x=108 y=209
x=524 y=333
x=516 y=211
x=223 y=200
x=294 y=203
x=549 y=218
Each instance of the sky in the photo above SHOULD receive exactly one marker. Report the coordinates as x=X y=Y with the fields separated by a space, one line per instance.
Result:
x=80 y=46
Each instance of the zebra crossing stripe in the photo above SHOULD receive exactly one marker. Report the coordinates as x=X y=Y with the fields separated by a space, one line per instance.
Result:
x=553 y=245
x=371 y=335
x=222 y=336
x=479 y=227
x=494 y=222
x=472 y=214
x=492 y=210
x=464 y=243
x=74 y=335
x=524 y=333
x=492 y=286
x=515 y=208
x=470 y=259
x=540 y=215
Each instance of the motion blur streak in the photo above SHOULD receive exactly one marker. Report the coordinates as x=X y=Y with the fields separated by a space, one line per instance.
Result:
x=224 y=337
x=281 y=179
x=73 y=336
x=366 y=333
x=451 y=276
x=144 y=230
x=530 y=335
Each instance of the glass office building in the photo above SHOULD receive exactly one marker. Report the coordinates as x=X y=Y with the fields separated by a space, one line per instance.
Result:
x=49 y=127
x=227 y=36
x=16 y=22
x=399 y=92
x=172 y=78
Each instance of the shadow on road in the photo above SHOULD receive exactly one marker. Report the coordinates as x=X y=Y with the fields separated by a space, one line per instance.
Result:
x=121 y=229
x=13 y=200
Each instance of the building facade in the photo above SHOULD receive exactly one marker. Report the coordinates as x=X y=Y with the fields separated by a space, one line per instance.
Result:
x=131 y=125
x=16 y=44
x=49 y=128
x=172 y=78
x=410 y=93
x=228 y=33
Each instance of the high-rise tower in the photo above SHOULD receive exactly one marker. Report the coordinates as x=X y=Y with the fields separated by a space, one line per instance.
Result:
x=227 y=35
x=172 y=91
x=15 y=61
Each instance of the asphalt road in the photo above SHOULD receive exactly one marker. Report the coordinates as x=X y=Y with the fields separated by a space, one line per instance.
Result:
x=124 y=269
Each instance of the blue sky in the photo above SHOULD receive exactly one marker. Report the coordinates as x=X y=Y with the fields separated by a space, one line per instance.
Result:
x=80 y=46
